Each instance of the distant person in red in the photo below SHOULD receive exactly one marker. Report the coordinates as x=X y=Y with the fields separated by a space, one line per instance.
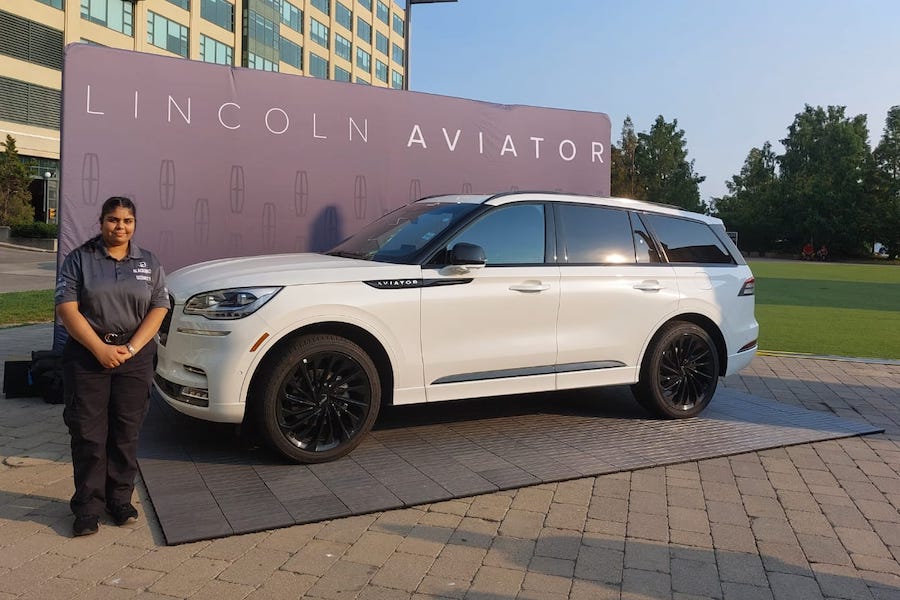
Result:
x=807 y=251
x=822 y=254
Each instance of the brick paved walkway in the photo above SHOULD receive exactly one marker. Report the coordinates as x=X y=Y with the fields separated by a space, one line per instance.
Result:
x=811 y=521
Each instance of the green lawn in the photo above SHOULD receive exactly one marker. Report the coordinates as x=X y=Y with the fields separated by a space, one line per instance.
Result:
x=18 y=308
x=828 y=308
x=816 y=308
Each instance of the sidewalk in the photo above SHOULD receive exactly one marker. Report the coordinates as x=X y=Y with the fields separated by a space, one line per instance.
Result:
x=811 y=521
x=23 y=269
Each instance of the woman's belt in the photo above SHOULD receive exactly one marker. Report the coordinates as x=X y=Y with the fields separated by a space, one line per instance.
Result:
x=116 y=339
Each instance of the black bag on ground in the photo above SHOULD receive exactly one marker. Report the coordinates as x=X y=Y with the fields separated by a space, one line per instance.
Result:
x=17 y=379
x=47 y=376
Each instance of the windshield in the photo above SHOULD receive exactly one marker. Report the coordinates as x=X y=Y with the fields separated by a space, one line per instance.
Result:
x=397 y=237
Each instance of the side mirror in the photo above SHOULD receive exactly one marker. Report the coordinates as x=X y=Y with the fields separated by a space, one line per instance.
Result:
x=470 y=255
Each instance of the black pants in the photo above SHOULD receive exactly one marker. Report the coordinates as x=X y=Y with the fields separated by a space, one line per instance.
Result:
x=104 y=411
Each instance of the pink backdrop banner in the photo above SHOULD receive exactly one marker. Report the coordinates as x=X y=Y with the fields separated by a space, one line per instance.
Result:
x=226 y=161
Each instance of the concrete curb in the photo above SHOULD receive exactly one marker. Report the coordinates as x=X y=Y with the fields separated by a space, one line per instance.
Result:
x=856 y=359
x=30 y=248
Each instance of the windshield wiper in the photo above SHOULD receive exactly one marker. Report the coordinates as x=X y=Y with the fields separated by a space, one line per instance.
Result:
x=345 y=254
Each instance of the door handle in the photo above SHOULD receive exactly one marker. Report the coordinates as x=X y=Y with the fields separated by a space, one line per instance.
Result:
x=529 y=287
x=648 y=285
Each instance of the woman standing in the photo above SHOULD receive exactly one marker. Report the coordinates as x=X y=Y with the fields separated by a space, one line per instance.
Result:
x=111 y=297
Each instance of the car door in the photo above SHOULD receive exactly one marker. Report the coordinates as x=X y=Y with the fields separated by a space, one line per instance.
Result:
x=492 y=330
x=615 y=291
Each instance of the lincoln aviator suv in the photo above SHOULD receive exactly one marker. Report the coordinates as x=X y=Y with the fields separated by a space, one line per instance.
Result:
x=458 y=297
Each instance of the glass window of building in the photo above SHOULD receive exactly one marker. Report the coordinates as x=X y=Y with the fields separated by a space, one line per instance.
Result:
x=291 y=53
x=397 y=54
x=185 y=4
x=381 y=43
x=398 y=25
x=54 y=3
x=383 y=12
x=341 y=74
x=363 y=60
x=318 y=66
x=116 y=15
x=381 y=70
x=343 y=16
x=292 y=16
x=262 y=37
x=319 y=33
x=364 y=30
x=367 y=4
x=396 y=80
x=323 y=5
x=219 y=12
x=214 y=51
x=362 y=81
x=343 y=47
x=254 y=61
x=166 y=34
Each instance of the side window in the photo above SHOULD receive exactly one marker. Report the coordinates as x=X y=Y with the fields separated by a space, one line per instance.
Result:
x=595 y=235
x=510 y=235
x=686 y=241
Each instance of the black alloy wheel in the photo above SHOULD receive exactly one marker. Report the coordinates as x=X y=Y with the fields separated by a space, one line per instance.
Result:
x=319 y=398
x=680 y=372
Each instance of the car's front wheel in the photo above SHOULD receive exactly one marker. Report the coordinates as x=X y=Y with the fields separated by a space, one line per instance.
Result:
x=680 y=372
x=317 y=398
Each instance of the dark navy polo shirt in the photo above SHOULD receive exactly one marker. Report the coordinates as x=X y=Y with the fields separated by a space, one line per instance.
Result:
x=113 y=295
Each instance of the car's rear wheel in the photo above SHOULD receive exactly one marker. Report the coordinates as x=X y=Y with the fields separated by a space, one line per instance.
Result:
x=317 y=398
x=680 y=372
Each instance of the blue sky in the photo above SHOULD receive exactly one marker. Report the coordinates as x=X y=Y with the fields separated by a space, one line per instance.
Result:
x=732 y=72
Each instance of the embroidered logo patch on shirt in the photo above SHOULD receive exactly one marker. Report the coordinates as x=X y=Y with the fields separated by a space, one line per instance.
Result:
x=141 y=273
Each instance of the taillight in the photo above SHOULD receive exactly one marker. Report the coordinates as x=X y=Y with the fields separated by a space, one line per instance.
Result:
x=748 y=288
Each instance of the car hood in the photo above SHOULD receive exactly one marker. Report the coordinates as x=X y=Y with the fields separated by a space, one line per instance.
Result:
x=279 y=270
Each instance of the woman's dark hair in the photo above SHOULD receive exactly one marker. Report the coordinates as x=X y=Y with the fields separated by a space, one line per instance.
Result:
x=114 y=202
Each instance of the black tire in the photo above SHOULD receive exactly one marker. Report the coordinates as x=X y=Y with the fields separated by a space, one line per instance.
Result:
x=317 y=399
x=680 y=372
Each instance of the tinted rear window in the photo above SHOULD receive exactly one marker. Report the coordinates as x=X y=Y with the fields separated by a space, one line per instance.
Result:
x=686 y=241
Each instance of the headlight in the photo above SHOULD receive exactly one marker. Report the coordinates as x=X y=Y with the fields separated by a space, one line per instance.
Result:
x=235 y=303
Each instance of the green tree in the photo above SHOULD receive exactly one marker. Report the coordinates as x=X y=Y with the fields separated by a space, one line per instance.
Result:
x=624 y=174
x=886 y=228
x=753 y=206
x=15 y=199
x=824 y=170
x=663 y=169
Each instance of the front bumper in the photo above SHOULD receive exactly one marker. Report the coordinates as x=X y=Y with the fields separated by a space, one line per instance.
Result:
x=204 y=366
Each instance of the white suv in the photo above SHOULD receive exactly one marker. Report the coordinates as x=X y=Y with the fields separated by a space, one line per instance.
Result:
x=459 y=297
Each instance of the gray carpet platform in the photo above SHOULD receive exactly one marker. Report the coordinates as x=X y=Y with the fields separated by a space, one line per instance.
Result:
x=206 y=482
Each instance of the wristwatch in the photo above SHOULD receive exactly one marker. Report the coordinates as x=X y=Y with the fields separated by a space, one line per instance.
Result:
x=131 y=348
